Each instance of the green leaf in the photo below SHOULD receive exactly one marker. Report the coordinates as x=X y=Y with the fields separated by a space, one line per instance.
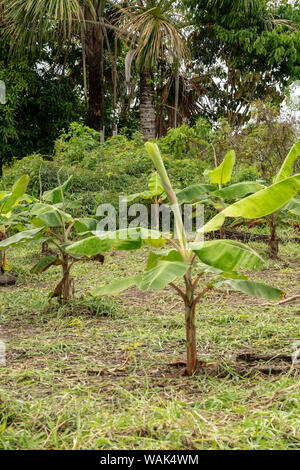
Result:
x=89 y=246
x=20 y=186
x=222 y=174
x=168 y=255
x=143 y=195
x=255 y=289
x=164 y=273
x=227 y=255
x=155 y=186
x=239 y=190
x=125 y=238
x=116 y=287
x=48 y=215
x=55 y=195
x=293 y=206
x=194 y=192
x=11 y=199
x=258 y=205
x=45 y=263
x=48 y=219
x=85 y=224
x=287 y=167
x=22 y=237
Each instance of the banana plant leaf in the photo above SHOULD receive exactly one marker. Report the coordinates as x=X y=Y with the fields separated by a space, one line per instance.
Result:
x=55 y=195
x=222 y=174
x=239 y=190
x=116 y=287
x=255 y=289
x=22 y=237
x=286 y=169
x=45 y=263
x=10 y=199
x=194 y=193
x=165 y=272
x=227 y=255
x=258 y=205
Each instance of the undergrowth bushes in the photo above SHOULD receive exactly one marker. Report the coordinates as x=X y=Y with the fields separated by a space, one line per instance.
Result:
x=102 y=171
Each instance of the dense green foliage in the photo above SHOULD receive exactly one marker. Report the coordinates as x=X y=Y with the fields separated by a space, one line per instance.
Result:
x=40 y=102
x=235 y=54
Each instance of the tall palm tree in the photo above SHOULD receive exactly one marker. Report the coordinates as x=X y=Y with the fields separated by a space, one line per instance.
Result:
x=155 y=34
x=34 y=23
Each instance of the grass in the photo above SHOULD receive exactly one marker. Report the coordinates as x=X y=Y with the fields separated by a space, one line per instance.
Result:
x=96 y=374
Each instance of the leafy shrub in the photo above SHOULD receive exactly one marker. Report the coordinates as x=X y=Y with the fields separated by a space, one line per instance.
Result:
x=186 y=141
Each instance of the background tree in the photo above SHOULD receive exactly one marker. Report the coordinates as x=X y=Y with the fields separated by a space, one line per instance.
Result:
x=245 y=51
x=37 y=24
x=155 y=34
x=42 y=97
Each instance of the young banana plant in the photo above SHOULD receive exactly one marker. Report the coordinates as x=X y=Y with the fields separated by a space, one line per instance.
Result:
x=51 y=223
x=9 y=201
x=224 y=196
x=187 y=264
x=154 y=194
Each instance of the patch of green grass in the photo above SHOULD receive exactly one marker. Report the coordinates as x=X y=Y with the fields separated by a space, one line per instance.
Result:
x=96 y=373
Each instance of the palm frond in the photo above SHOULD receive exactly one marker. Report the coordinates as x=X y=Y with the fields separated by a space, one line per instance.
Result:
x=32 y=22
x=152 y=30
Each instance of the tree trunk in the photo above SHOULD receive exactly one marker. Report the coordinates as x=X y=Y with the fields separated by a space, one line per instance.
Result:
x=273 y=242
x=223 y=232
x=191 y=345
x=147 y=107
x=3 y=236
x=63 y=290
x=66 y=288
x=94 y=52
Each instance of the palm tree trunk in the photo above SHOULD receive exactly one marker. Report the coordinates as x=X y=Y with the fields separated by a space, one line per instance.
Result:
x=94 y=50
x=147 y=107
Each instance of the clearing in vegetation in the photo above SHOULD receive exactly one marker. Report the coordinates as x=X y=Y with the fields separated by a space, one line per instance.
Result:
x=104 y=374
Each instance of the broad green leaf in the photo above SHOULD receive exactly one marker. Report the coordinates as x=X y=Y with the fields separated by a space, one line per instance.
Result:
x=89 y=246
x=11 y=199
x=85 y=224
x=155 y=185
x=144 y=235
x=293 y=206
x=155 y=189
x=22 y=237
x=55 y=195
x=258 y=205
x=255 y=289
x=47 y=219
x=234 y=275
x=48 y=215
x=194 y=192
x=126 y=239
x=116 y=287
x=45 y=263
x=20 y=186
x=168 y=255
x=40 y=208
x=239 y=190
x=227 y=255
x=143 y=195
x=164 y=273
x=287 y=167
x=222 y=174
